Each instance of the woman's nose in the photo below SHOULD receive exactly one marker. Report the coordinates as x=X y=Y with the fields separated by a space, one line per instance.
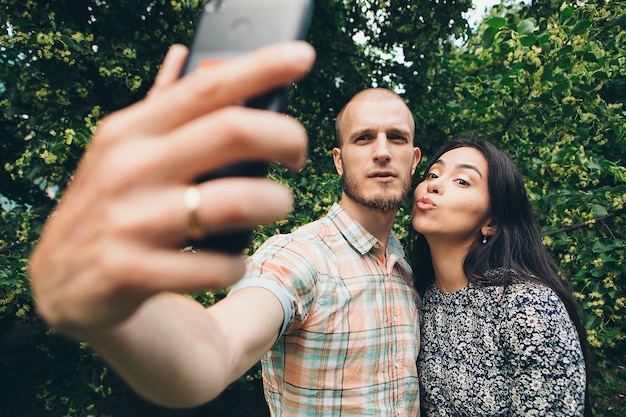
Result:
x=434 y=186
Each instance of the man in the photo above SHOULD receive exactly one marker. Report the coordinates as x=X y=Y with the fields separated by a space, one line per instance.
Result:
x=107 y=270
x=349 y=334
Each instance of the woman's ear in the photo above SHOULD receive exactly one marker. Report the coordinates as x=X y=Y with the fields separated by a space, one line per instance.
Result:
x=488 y=229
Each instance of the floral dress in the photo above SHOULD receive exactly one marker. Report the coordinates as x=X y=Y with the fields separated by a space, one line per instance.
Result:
x=499 y=351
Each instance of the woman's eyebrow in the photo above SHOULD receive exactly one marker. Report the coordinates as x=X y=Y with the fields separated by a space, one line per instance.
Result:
x=459 y=166
x=470 y=166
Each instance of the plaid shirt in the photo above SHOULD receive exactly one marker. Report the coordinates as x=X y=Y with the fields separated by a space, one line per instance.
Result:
x=350 y=337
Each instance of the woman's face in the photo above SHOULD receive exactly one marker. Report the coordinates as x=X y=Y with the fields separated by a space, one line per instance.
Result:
x=452 y=203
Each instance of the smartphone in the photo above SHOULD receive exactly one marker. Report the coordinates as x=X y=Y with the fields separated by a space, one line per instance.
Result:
x=225 y=29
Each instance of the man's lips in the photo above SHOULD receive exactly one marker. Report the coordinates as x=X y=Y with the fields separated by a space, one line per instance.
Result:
x=383 y=177
x=382 y=174
x=425 y=203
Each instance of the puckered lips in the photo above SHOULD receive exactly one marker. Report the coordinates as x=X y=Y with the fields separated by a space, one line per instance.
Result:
x=425 y=203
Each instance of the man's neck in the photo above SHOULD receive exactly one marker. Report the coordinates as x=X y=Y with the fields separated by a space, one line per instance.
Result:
x=379 y=224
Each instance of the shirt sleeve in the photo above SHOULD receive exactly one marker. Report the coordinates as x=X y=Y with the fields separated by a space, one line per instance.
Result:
x=544 y=352
x=284 y=265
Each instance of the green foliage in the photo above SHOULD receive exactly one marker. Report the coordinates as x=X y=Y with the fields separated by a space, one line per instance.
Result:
x=535 y=85
x=63 y=66
x=545 y=81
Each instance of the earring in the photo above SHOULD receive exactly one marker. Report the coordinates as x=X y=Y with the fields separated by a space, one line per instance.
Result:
x=484 y=239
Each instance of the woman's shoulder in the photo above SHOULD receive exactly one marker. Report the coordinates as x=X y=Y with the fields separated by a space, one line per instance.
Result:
x=514 y=287
x=530 y=305
x=530 y=293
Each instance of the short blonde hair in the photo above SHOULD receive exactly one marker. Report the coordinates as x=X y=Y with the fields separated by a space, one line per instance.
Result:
x=369 y=94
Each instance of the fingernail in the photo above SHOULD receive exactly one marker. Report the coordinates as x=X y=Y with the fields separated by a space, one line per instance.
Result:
x=300 y=54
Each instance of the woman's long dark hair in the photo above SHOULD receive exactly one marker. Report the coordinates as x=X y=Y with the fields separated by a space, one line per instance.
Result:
x=515 y=247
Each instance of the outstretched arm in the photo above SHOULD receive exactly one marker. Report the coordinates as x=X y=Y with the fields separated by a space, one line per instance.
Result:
x=108 y=268
x=176 y=353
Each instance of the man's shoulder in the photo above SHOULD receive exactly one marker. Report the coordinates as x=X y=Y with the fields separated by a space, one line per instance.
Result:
x=306 y=237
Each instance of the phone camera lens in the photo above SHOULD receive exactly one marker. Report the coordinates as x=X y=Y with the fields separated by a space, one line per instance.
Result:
x=214 y=6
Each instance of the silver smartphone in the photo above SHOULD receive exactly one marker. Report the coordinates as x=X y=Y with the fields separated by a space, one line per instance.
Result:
x=225 y=29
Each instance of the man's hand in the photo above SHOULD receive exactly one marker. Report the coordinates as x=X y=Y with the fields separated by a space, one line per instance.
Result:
x=114 y=240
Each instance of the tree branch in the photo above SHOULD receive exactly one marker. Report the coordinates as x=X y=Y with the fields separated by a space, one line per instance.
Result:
x=585 y=224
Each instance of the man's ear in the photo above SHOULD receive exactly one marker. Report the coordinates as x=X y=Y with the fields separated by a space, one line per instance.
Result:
x=337 y=160
x=417 y=155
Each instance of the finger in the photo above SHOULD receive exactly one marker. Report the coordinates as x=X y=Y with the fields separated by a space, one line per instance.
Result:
x=231 y=82
x=169 y=270
x=105 y=296
x=238 y=79
x=211 y=142
x=235 y=134
x=243 y=204
x=226 y=204
x=171 y=68
x=160 y=217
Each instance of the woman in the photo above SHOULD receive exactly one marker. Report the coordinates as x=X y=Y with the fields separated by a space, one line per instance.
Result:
x=501 y=333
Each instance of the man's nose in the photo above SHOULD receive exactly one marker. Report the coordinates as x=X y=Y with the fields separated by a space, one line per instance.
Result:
x=381 y=148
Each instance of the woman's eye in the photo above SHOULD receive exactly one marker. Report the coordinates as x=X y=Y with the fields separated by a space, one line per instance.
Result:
x=462 y=182
x=431 y=175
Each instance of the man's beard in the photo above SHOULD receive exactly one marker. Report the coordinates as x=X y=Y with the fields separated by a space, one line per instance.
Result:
x=381 y=204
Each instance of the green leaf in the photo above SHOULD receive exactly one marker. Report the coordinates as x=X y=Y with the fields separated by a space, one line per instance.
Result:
x=601 y=75
x=565 y=50
x=565 y=14
x=527 y=40
x=601 y=247
x=598 y=210
x=496 y=22
x=581 y=27
x=590 y=57
x=598 y=272
x=488 y=36
x=526 y=27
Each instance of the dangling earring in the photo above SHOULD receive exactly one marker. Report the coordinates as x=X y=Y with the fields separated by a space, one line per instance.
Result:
x=484 y=239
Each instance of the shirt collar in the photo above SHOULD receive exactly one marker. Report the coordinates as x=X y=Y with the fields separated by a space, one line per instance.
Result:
x=362 y=240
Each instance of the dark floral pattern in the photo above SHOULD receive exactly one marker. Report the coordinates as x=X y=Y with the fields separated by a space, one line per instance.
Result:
x=499 y=351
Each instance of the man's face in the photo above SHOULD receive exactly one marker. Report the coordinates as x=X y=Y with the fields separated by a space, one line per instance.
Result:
x=377 y=158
